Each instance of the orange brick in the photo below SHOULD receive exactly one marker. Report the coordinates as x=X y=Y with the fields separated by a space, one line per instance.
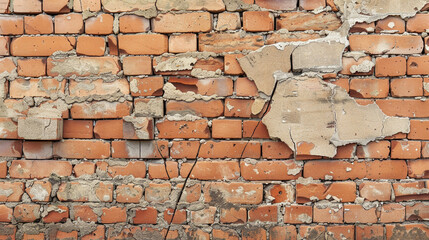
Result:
x=129 y=193
x=338 y=170
x=281 y=193
x=68 y=23
x=114 y=215
x=99 y=25
x=183 y=129
x=331 y=214
x=378 y=150
x=258 y=21
x=28 y=46
x=108 y=129
x=11 y=25
x=4 y=6
x=277 y=5
x=245 y=87
x=91 y=46
x=406 y=149
x=34 y=87
x=135 y=169
x=55 y=6
x=204 y=216
x=419 y=129
x=270 y=170
x=350 y=63
x=233 y=215
x=406 y=87
x=27 y=6
x=142 y=149
x=276 y=150
x=235 y=107
x=365 y=232
x=404 y=107
x=90 y=149
x=112 y=43
x=147 y=215
x=5 y=214
x=392 y=212
x=151 y=44
x=137 y=65
x=90 y=5
x=228 y=42
x=386 y=44
x=182 y=43
x=37 y=149
x=390 y=67
x=3 y=169
x=32 y=67
x=39 y=168
x=356 y=213
x=157 y=192
x=231 y=64
x=213 y=108
x=263 y=214
x=17 y=189
x=210 y=86
x=159 y=171
x=228 y=21
x=77 y=129
x=4 y=46
x=251 y=129
x=26 y=212
x=311 y=4
x=298 y=214
x=418 y=65
x=344 y=191
x=226 y=128
x=418 y=23
x=10 y=148
x=184 y=149
x=147 y=86
x=390 y=24
x=133 y=24
x=387 y=169
x=211 y=170
x=101 y=109
x=229 y=192
x=302 y=21
x=182 y=22
x=375 y=191
x=410 y=191
x=84 y=168
x=230 y=149
x=56 y=214
x=369 y=88
x=9 y=128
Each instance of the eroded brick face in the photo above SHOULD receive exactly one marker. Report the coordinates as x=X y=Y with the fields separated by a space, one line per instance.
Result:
x=148 y=119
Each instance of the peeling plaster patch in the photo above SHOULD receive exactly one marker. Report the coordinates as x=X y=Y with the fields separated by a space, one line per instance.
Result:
x=258 y=105
x=176 y=64
x=260 y=65
x=309 y=110
x=170 y=92
x=356 y=55
x=318 y=56
x=364 y=67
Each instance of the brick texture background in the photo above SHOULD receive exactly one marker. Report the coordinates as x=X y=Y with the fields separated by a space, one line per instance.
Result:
x=94 y=145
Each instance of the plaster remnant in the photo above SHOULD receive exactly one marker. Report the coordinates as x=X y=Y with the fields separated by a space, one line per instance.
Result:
x=38 y=193
x=318 y=56
x=84 y=66
x=176 y=64
x=258 y=105
x=259 y=66
x=40 y=128
x=170 y=92
x=364 y=67
x=151 y=108
x=356 y=55
x=323 y=116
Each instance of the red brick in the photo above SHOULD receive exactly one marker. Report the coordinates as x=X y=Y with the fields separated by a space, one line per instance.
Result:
x=406 y=149
x=368 y=231
x=375 y=191
x=129 y=193
x=182 y=43
x=277 y=5
x=135 y=169
x=56 y=214
x=77 y=129
x=230 y=192
x=390 y=67
x=251 y=129
x=10 y=148
x=392 y=212
x=211 y=170
x=5 y=214
x=230 y=149
x=101 y=109
x=253 y=233
x=276 y=150
x=26 y=212
x=418 y=168
x=341 y=232
x=89 y=149
x=90 y=46
x=3 y=169
x=270 y=170
x=407 y=231
x=179 y=216
x=151 y=44
x=378 y=150
x=280 y=193
x=232 y=67
x=28 y=46
x=39 y=169
x=147 y=215
x=406 y=87
x=146 y=86
x=114 y=215
x=418 y=65
x=302 y=21
x=283 y=232
x=233 y=215
x=338 y=170
x=40 y=236
x=213 y=108
x=369 y=88
x=182 y=22
x=157 y=192
x=97 y=234
x=160 y=171
x=235 y=107
x=308 y=232
x=418 y=211
x=32 y=67
x=133 y=24
x=84 y=168
x=344 y=191
x=411 y=191
x=55 y=6
x=68 y=23
x=386 y=44
x=85 y=213
x=258 y=21
x=183 y=129
x=191 y=193
x=228 y=42
x=99 y=25
x=11 y=25
x=228 y=21
x=204 y=216
x=263 y=214
x=15 y=188
x=108 y=129
x=27 y=6
x=418 y=23
x=390 y=24
x=137 y=65
x=356 y=213
x=37 y=149
x=90 y=5
x=387 y=169
x=328 y=214
x=226 y=128
x=311 y=4
x=184 y=149
x=222 y=234
x=34 y=87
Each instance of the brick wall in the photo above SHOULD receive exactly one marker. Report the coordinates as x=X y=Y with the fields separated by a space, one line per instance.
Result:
x=126 y=119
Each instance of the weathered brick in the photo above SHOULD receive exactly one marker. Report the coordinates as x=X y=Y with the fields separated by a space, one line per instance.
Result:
x=146 y=215
x=418 y=23
x=182 y=43
x=90 y=5
x=26 y=212
x=157 y=192
x=263 y=213
x=11 y=191
x=11 y=25
x=277 y=5
x=32 y=67
x=211 y=170
x=68 y=23
x=357 y=213
x=229 y=192
x=129 y=193
x=302 y=21
x=183 y=129
x=137 y=65
x=85 y=192
x=386 y=44
x=34 y=87
x=404 y=107
x=344 y=191
x=228 y=21
x=153 y=44
x=133 y=24
x=191 y=5
x=91 y=46
x=406 y=87
x=90 y=149
x=70 y=66
x=77 y=129
x=146 y=86
x=270 y=170
x=375 y=191
x=37 y=149
x=258 y=21
x=40 y=45
x=99 y=25
x=390 y=67
x=10 y=148
x=182 y=22
x=124 y=6
x=338 y=170
x=228 y=42
x=84 y=88
x=32 y=128
x=230 y=149
x=100 y=109
x=55 y=6
x=27 y=6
